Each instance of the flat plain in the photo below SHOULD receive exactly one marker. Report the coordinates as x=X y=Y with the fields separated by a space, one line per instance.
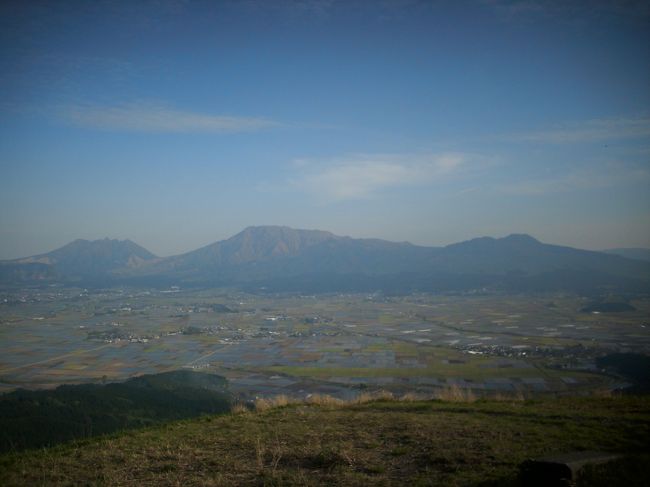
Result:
x=338 y=344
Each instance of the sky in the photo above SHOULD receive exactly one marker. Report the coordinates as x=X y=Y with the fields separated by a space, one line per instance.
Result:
x=179 y=123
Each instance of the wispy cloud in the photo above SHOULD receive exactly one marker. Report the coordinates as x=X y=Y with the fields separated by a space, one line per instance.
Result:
x=604 y=176
x=568 y=10
x=515 y=8
x=361 y=176
x=148 y=117
x=306 y=10
x=295 y=7
x=587 y=131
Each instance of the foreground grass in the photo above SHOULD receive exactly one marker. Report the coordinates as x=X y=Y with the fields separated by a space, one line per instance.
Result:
x=382 y=442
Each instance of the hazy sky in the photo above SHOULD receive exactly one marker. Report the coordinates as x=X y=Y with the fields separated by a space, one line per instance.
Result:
x=178 y=123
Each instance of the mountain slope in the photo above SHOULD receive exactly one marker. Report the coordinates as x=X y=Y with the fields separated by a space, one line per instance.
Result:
x=282 y=258
x=633 y=253
x=84 y=258
x=252 y=245
x=271 y=252
x=286 y=259
x=523 y=253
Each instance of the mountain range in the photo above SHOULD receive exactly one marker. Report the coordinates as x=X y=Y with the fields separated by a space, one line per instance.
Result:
x=275 y=258
x=631 y=253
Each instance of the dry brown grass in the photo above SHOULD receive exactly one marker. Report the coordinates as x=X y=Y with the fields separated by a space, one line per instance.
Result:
x=379 y=443
x=266 y=403
x=607 y=394
x=455 y=394
x=238 y=408
x=268 y=454
x=413 y=397
x=517 y=396
x=362 y=398
x=366 y=397
x=262 y=404
x=449 y=394
x=324 y=400
x=281 y=401
x=384 y=396
x=260 y=450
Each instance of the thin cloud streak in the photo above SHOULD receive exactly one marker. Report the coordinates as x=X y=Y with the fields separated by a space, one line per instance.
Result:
x=362 y=176
x=144 y=117
x=568 y=10
x=588 y=131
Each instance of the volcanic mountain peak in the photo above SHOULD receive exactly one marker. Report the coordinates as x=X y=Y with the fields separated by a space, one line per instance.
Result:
x=521 y=238
x=290 y=259
x=86 y=257
x=258 y=244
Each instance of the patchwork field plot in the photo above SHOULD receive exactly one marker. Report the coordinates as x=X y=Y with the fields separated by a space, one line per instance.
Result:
x=299 y=345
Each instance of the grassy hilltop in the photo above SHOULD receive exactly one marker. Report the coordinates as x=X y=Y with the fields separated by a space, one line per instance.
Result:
x=379 y=442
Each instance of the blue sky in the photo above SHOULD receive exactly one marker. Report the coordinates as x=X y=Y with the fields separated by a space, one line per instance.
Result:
x=179 y=123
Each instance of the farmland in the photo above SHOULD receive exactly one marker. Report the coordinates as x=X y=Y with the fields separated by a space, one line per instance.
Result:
x=298 y=345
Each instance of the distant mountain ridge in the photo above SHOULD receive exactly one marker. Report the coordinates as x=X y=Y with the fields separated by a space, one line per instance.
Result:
x=252 y=245
x=285 y=259
x=83 y=258
x=630 y=253
x=259 y=252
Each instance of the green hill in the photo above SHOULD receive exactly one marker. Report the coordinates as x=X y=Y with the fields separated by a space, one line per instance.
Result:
x=375 y=443
x=32 y=419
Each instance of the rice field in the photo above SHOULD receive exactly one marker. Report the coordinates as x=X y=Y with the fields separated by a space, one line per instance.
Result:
x=298 y=345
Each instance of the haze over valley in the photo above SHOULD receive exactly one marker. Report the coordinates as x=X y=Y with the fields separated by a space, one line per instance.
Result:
x=269 y=292
x=325 y=242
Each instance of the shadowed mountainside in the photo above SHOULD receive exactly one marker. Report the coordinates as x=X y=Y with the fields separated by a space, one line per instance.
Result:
x=639 y=254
